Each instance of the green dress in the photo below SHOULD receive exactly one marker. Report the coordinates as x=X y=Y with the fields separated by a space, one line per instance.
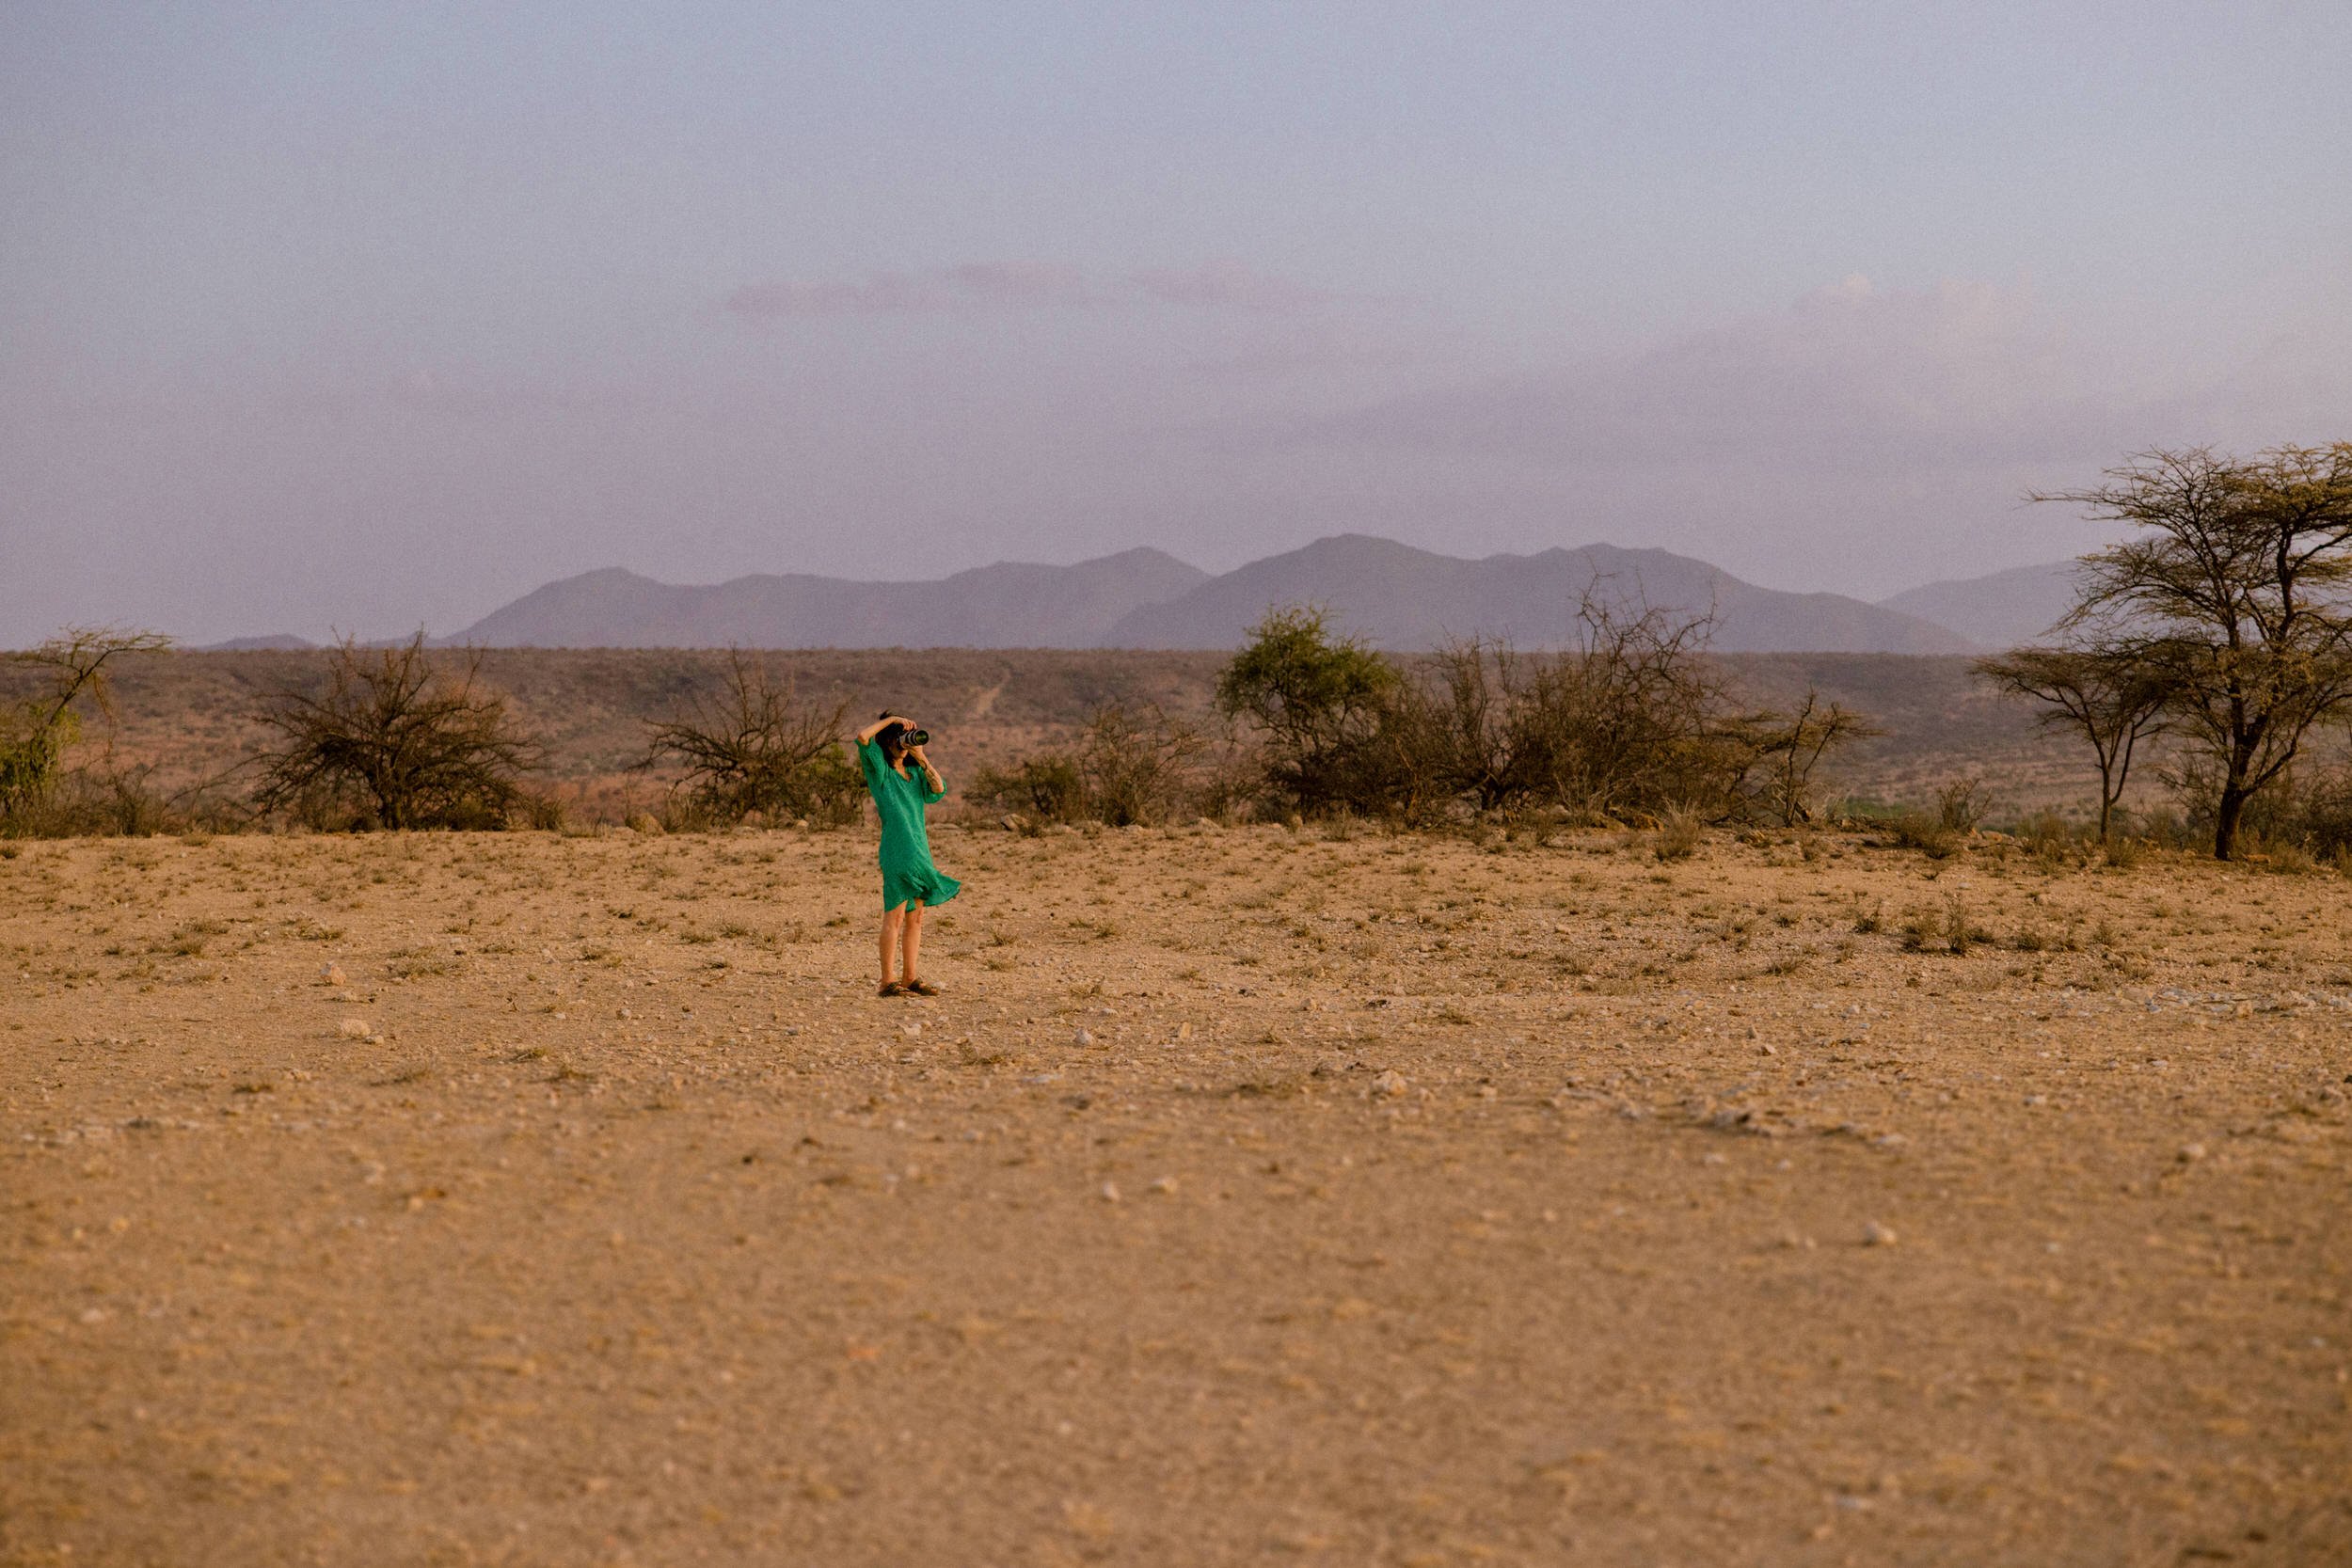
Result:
x=907 y=875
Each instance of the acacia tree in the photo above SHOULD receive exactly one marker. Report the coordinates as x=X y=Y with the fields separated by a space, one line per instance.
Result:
x=2115 y=697
x=396 y=740
x=2234 y=595
x=34 y=732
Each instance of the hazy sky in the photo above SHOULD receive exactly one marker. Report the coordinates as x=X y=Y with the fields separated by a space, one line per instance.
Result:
x=371 y=316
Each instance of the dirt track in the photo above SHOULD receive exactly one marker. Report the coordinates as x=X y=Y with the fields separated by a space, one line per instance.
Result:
x=1404 y=1201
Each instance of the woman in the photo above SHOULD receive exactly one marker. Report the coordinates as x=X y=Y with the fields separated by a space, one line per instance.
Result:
x=910 y=881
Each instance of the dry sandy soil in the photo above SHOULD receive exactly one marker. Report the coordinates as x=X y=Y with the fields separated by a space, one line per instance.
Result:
x=1250 y=1197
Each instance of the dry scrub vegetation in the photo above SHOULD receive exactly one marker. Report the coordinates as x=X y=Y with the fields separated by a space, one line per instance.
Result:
x=185 y=724
x=1251 y=1196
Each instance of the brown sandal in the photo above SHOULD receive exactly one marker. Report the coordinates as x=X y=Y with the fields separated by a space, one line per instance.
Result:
x=891 y=987
x=920 y=988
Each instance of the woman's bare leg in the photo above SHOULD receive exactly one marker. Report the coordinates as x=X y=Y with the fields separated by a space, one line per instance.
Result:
x=912 y=948
x=891 y=921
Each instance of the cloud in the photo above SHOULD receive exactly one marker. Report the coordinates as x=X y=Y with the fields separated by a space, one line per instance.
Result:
x=1227 y=286
x=1019 y=283
x=1347 y=353
x=1023 y=285
x=883 y=294
x=1852 y=375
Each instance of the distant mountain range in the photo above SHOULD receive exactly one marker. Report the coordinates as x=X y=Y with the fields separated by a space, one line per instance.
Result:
x=1391 y=594
x=2000 y=611
x=1006 y=606
x=1396 y=596
x=279 y=641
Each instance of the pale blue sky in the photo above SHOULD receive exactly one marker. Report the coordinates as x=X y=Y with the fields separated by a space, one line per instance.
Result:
x=373 y=316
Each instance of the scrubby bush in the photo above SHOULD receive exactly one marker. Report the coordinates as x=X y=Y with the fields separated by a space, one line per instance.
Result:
x=2165 y=829
x=1780 y=754
x=398 y=739
x=1926 y=833
x=1679 y=836
x=1137 y=772
x=1950 y=930
x=1960 y=804
x=1043 y=788
x=2046 y=834
x=1125 y=770
x=1634 y=724
x=754 y=748
x=1320 y=701
x=105 y=798
x=37 y=733
x=2317 y=813
x=2305 y=817
x=1633 y=721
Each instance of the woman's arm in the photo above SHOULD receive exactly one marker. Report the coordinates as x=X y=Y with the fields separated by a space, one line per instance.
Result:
x=870 y=731
x=934 y=788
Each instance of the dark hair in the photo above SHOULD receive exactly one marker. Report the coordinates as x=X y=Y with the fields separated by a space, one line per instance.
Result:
x=892 y=739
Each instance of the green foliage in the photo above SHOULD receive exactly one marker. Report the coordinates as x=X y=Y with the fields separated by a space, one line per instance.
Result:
x=31 y=752
x=36 y=732
x=1318 y=701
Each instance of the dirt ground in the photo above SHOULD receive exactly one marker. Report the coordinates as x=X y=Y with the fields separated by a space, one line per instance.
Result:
x=1250 y=1196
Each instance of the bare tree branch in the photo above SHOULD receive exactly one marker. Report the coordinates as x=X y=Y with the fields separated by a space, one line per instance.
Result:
x=34 y=737
x=396 y=740
x=756 y=748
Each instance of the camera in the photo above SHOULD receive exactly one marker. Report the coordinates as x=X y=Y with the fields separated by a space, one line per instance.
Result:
x=915 y=738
